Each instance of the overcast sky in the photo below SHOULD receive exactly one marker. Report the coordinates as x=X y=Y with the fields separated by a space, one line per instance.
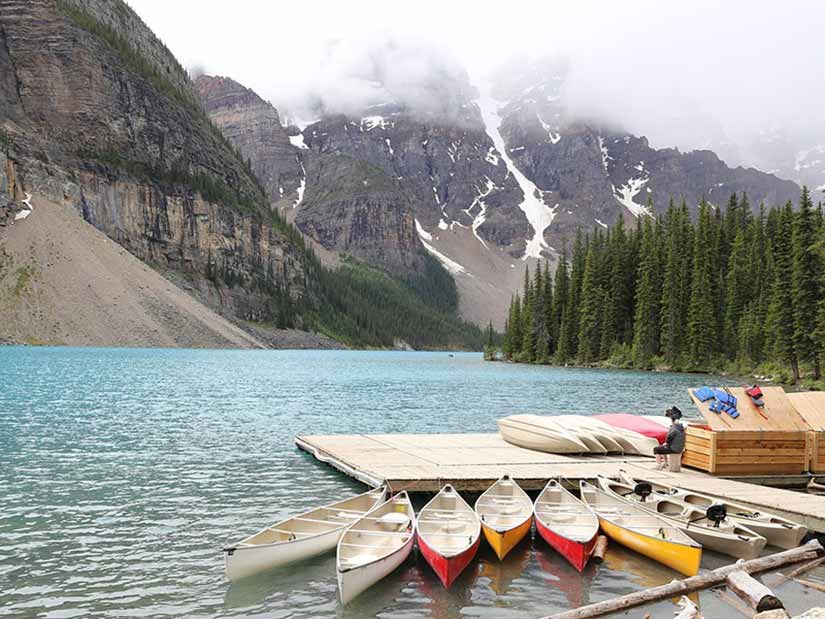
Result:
x=661 y=68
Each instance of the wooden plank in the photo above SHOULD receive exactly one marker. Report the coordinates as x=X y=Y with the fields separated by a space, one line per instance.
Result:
x=778 y=413
x=811 y=407
x=714 y=450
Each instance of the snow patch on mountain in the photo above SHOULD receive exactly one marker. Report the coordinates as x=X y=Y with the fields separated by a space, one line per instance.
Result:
x=422 y=233
x=298 y=141
x=368 y=123
x=426 y=238
x=492 y=157
x=554 y=136
x=538 y=214
x=302 y=187
x=481 y=216
x=605 y=155
x=625 y=194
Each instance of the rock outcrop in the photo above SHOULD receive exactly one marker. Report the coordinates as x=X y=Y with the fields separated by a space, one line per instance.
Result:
x=253 y=126
x=346 y=204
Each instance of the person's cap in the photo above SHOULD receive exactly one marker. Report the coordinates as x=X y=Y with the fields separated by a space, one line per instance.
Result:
x=674 y=413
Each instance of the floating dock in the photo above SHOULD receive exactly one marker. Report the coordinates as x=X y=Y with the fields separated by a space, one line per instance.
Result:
x=471 y=462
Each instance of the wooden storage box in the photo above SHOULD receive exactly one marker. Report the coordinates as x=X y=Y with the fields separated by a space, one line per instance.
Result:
x=732 y=452
x=811 y=407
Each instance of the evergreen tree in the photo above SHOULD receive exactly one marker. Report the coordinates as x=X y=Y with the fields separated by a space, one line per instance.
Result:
x=701 y=320
x=592 y=299
x=673 y=305
x=547 y=346
x=805 y=284
x=780 y=312
x=569 y=336
x=646 y=320
x=737 y=288
x=561 y=288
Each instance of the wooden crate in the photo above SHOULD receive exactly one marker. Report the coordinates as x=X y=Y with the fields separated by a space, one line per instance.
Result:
x=811 y=406
x=746 y=452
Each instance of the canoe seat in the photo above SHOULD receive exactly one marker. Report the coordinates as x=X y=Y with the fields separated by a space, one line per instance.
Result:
x=394 y=521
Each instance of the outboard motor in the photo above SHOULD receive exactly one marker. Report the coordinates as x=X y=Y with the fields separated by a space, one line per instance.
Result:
x=643 y=490
x=716 y=513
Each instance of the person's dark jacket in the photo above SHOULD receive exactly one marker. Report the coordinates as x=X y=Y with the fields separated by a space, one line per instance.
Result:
x=676 y=438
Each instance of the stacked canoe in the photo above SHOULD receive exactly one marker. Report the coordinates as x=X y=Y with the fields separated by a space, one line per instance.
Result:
x=580 y=434
x=374 y=534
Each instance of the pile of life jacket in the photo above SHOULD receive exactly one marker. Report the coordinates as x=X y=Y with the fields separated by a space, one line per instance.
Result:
x=756 y=395
x=723 y=402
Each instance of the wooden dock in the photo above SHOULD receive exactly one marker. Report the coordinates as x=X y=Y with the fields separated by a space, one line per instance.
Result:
x=471 y=462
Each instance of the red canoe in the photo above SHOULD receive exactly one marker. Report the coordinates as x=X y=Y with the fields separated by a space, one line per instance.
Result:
x=449 y=533
x=566 y=523
x=636 y=423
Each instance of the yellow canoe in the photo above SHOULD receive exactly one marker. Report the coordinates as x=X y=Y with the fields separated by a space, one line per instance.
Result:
x=644 y=532
x=506 y=514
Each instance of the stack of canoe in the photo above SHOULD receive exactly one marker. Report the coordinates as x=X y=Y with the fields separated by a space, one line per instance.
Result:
x=578 y=434
x=375 y=534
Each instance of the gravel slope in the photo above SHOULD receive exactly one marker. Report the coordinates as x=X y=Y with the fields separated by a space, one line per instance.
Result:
x=64 y=282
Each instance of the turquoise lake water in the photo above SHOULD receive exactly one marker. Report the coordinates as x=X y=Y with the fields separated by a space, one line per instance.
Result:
x=124 y=472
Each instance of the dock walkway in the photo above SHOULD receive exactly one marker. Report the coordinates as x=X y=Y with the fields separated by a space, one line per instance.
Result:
x=471 y=462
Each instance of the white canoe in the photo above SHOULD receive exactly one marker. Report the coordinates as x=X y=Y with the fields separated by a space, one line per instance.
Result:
x=779 y=531
x=729 y=537
x=604 y=434
x=300 y=537
x=539 y=433
x=374 y=546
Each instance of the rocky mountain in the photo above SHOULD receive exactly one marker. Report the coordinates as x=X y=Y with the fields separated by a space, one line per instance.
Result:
x=104 y=119
x=344 y=203
x=492 y=178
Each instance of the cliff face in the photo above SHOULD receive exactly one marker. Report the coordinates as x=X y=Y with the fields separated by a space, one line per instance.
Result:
x=96 y=113
x=347 y=204
x=253 y=126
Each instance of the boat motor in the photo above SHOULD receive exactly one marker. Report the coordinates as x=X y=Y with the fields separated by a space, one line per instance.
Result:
x=716 y=514
x=643 y=490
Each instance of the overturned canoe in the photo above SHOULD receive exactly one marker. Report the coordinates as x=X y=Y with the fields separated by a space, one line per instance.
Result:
x=298 y=538
x=566 y=523
x=640 y=424
x=506 y=515
x=590 y=430
x=630 y=525
x=717 y=533
x=449 y=533
x=779 y=531
x=540 y=433
x=374 y=546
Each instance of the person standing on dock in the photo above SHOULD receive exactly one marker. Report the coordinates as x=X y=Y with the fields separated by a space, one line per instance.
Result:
x=674 y=441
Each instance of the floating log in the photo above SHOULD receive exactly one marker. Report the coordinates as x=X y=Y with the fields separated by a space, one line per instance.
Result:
x=753 y=592
x=806 y=552
x=599 y=549
x=806 y=567
x=812 y=585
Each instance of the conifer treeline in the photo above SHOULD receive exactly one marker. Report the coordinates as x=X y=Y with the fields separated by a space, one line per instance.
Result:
x=732 y=289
